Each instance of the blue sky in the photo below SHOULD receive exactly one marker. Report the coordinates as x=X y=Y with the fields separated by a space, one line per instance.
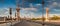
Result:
x=30 y=8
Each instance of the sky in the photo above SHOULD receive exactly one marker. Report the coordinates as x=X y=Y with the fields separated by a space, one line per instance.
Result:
x=30 y=8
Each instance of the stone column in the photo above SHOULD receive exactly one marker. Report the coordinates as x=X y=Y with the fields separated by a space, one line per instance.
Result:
x=47 y=11
x=18 y=14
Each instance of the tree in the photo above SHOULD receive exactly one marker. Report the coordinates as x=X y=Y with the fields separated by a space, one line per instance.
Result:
x=55 y=18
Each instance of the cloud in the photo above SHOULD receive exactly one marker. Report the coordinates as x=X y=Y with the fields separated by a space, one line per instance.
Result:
x=51 y=15
x=55 y=4
x=29 y=15
x=34 y=1
x=38 y=4
x=29 y=9
x=54 y=7
x=56 y=10
x=3 y=12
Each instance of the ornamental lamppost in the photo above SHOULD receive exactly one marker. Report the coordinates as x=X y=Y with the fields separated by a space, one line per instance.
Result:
x=10 y=12
x=43 y=12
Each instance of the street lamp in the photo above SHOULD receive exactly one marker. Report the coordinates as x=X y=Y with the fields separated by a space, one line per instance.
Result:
x=10 y=12
x=43 y=12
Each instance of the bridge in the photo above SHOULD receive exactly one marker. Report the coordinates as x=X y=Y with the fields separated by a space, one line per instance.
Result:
x=35 y=23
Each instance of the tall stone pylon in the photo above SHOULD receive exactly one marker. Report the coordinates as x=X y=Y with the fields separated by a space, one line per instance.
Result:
x=18 y=13
x=47 y=14
x=18 y=10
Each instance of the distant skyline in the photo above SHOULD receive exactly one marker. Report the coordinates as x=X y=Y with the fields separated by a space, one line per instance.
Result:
x=30 y=8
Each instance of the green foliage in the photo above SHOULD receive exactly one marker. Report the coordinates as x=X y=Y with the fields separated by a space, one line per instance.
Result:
x=55 y=17
x=35 y=19
x=38 y=19
x=51 y=18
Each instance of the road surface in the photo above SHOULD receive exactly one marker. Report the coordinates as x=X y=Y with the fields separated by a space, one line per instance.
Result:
x=26 y=23
x=29 y=23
